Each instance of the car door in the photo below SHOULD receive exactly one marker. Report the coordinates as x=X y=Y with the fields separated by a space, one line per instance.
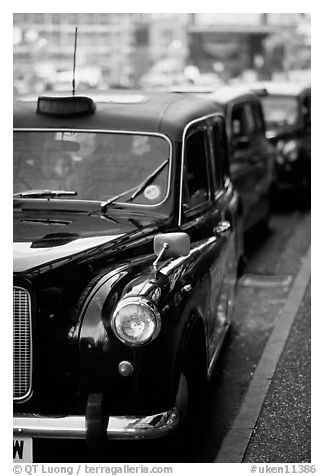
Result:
x=202 y=221
x=223 y=269
x=247 y=160
x=241 y=165
x=263 y=158
x=306 y=128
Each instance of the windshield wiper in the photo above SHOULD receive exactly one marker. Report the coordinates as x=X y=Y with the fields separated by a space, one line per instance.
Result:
x=138 y=189
x=148 y=180
x=45 y=193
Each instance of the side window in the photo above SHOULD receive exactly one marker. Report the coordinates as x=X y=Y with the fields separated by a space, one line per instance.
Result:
x=216 y=156
x=219 y=153
x=224 y=150
x=258 y=116
x=238 y=126
x=251 y=125
x=196 y=183
x=246 y=120
x=306 y=110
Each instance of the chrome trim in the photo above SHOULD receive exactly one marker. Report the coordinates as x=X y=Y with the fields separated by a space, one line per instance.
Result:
x=203 y=118
x=218 y=194
x=139 y=301
x=114 y=131
x=28 y=394
x=227 y=182
x=74 y=426
x=222 y=227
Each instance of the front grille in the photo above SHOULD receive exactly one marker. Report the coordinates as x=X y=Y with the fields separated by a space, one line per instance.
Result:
x=22 y=344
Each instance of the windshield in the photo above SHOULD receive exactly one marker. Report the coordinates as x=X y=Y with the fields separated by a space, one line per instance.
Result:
x=95 y=165
x=280 y=111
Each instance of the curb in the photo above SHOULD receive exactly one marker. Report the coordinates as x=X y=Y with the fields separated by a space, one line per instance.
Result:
x=238 y=436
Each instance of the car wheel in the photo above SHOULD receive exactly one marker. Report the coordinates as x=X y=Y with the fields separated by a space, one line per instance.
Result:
x=264 y=223
x=182 y=398
x=190 y=400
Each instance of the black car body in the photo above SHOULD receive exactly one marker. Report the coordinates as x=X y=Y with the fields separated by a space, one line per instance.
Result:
x=252 y=158
x=110 y=341
x=287 y=112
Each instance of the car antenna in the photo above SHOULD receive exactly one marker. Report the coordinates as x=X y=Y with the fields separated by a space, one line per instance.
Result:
x=74 y=57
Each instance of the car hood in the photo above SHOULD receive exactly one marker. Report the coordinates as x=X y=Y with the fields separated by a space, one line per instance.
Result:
x=43 y=237
x=27 y=257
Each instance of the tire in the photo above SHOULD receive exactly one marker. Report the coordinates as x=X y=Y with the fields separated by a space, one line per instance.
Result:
x=264 y=224
x=272 y=196
x=191 y=400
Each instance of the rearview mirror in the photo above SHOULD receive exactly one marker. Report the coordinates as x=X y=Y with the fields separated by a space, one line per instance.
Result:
x=171 y=245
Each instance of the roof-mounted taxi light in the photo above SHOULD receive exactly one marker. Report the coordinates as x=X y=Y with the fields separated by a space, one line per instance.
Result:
x=65 y=106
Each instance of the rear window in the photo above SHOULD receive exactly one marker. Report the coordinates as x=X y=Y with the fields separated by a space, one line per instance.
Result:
x=280 y=111
x=98 y=166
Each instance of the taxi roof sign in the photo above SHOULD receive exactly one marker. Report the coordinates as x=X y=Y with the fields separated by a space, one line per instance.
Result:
x=67 y=106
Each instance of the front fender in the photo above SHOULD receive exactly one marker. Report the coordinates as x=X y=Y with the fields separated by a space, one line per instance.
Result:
x=151 y=386
x=100 y=352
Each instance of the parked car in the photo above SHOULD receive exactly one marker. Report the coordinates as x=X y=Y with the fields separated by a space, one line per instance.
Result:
x=126 y=253
x=287 y=112
x=252 y=158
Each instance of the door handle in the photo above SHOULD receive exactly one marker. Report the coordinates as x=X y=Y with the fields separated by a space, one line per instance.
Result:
x=222 y=227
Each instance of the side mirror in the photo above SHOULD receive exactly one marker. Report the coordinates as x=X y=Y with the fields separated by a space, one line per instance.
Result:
x=171 y=245
x=240 y=143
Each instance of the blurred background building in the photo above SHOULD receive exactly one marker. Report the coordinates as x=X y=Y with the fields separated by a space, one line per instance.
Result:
x=157 y=50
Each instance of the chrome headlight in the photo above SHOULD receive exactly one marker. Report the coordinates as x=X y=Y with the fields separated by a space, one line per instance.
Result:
x=136 y=321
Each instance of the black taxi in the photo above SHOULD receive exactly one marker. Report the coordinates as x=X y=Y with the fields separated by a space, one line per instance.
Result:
x=126 y=254
x=287 y=112
x=252 y=158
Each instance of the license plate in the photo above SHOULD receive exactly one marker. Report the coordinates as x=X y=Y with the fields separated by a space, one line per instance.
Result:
x=23 y=450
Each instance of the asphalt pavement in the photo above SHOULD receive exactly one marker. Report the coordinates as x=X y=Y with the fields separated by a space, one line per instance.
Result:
x=283 y=429
x=273 y=424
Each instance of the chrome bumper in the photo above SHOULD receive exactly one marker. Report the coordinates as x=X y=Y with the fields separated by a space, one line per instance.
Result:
x=74 y=427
